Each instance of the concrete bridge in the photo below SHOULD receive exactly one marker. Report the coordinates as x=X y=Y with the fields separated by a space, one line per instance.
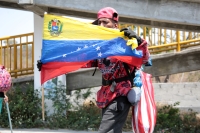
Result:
x=171 y=14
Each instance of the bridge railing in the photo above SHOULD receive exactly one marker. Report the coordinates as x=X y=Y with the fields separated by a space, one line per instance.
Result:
x=17 y=54
x=165 y=40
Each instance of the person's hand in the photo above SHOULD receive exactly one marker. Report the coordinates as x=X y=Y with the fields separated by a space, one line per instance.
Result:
x=39 y=65
x=3 y=95
x=5 y=98
x=131 y=34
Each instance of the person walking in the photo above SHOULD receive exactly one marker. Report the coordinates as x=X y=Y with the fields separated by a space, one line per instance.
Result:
x=116 y=94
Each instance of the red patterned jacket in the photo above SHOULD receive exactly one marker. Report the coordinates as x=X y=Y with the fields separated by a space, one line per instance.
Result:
x=111 y=69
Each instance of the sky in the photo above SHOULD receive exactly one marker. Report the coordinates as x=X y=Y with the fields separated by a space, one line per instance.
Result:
x=15 y=22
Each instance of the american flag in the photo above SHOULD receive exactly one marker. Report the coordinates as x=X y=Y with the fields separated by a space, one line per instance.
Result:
x=144 y=113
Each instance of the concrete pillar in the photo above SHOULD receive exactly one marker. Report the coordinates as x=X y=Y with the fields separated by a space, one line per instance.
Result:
x=38 y=27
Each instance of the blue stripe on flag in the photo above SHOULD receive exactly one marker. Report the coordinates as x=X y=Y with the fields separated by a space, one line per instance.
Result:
x=84 y=50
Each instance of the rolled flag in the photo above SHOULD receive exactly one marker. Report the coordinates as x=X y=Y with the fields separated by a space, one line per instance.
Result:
x=144 y=113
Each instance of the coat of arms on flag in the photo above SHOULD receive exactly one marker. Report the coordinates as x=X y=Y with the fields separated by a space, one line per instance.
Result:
x=55 y=27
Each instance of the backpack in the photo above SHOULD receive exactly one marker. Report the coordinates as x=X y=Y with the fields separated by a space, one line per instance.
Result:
x=5 y=79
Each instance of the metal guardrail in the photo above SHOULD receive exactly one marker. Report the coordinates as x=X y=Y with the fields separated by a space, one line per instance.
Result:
x=165 y=40
x=17 y=52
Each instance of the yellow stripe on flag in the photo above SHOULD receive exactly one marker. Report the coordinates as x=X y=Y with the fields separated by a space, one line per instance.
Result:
x=62 y=28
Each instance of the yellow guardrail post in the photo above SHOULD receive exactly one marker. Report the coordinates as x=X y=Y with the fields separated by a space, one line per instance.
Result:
x=190 y=35
x=27 y=52
x=7 y=54
x=15 y=59
x=20 y=52
x=33 y=53
x=178 y=48
x=165 y=36
x=144 y=32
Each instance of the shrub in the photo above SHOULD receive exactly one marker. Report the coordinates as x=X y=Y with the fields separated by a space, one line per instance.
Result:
x=25 y=108
x=72 y=115
x=171 y=120
x=26 y=112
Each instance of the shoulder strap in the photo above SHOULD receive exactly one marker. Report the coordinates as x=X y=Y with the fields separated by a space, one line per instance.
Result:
x=130 y=75
x=95 y=64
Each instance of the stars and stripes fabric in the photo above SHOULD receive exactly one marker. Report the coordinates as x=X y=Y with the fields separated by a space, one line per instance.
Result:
x=144 y=113
x=69 y=44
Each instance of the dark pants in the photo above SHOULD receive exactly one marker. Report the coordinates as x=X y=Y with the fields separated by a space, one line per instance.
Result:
x=114 y=115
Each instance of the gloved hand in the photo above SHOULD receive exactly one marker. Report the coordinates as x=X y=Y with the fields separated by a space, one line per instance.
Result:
x=39 y=65
x=137 y=81
x=131 y=34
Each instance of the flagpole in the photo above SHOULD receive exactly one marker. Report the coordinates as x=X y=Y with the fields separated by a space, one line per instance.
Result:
x=43 y=103
x=9 y=118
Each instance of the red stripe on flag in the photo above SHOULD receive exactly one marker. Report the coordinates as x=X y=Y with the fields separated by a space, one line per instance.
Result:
x=134 y=61
x=147 y=100
x=54 y=69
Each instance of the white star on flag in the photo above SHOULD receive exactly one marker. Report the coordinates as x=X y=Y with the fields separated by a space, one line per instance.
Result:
x=86 y=46
x=98 y=48
x=78 y=49
x=64 y=55
x=99 y=54
x=94 y=45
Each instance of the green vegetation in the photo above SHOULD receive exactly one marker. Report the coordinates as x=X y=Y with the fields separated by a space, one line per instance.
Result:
x=25 y=108
x=26 y=112
x=171 y=120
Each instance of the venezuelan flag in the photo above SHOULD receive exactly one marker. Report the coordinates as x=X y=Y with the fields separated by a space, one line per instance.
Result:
x=69 y=44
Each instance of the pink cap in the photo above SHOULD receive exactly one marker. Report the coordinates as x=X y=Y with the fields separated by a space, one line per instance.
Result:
x=107 y=12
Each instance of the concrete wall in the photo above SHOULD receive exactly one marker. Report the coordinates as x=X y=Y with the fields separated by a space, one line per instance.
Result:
x=171 y=63
x=188 y=94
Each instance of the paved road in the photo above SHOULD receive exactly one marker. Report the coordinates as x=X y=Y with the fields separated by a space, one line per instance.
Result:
x=2 y=130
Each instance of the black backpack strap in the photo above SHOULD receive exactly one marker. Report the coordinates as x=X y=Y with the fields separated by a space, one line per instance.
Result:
x=130 y=75
x=95 y=64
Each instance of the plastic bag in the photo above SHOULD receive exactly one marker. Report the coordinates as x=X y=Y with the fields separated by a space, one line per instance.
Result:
x=144 y=113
